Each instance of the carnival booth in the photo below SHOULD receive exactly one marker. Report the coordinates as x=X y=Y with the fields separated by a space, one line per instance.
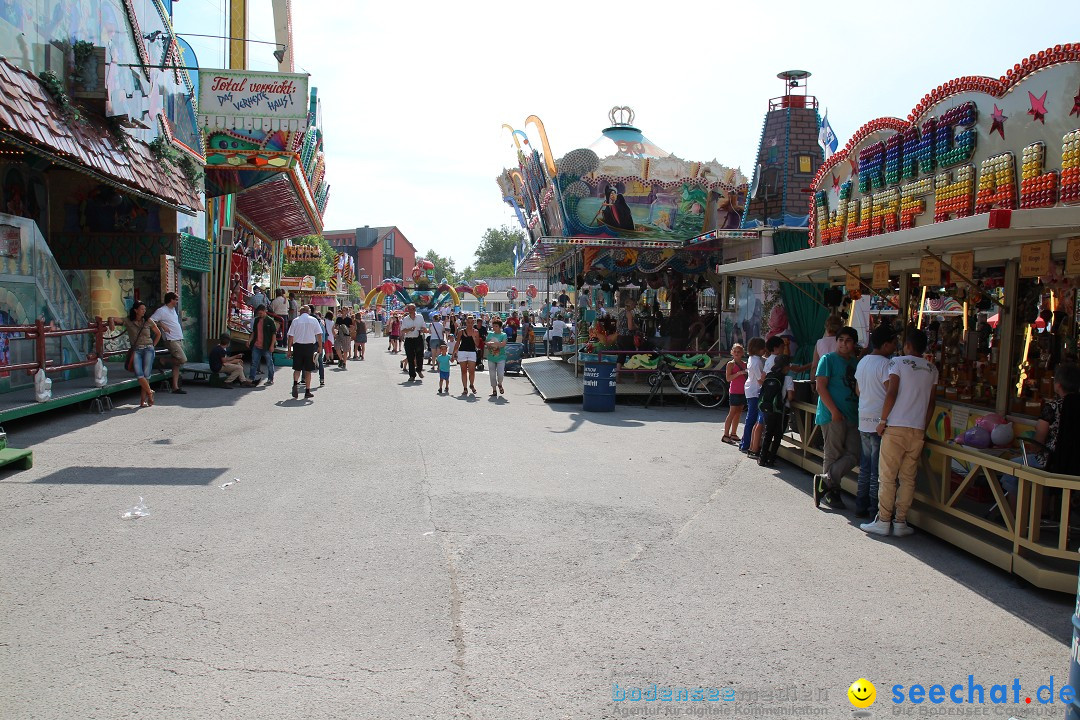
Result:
x=963 y=219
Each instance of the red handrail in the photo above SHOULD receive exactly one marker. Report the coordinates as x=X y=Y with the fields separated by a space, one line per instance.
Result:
x=39 y=332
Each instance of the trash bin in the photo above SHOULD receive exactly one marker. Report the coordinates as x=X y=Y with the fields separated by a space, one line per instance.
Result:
x=599 y=387
x=1073 y=710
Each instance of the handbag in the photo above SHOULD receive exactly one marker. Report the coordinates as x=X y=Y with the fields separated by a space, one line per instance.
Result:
x=129 y=361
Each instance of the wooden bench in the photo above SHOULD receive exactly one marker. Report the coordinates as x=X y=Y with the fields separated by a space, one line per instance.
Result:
x=200 y=372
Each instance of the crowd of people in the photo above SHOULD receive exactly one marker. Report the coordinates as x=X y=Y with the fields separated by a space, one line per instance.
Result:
x=873 y=408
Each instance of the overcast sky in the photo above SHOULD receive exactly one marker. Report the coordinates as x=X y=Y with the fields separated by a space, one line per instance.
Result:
x=414 y=93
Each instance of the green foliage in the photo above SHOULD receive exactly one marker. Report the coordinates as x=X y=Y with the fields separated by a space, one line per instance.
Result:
x=116 y=131
x=55 y=87
x=497 y=246
x=483 y=271
x=444 y=267
x=320 y=269
x=163 y=150
x=82 y=51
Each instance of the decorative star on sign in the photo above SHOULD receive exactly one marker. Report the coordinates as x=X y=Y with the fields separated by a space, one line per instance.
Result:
x=835 y=183
x=854 y=166
x=998 y=124
x=1038 y=107
x=1076 y=103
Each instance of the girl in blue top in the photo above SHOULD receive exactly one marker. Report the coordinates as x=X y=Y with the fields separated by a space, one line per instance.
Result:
x=496 y=356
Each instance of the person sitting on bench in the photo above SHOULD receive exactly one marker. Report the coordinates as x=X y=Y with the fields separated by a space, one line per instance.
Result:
x=231 y=367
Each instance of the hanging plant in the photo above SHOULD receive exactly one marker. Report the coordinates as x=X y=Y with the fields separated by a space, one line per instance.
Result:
x=164 y=152
x=116 y=132
x=55 y=87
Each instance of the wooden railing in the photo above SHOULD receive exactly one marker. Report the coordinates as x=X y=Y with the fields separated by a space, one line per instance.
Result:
x=1033 y=540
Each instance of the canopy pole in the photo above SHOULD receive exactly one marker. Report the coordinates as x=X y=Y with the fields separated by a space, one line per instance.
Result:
x=796 y=286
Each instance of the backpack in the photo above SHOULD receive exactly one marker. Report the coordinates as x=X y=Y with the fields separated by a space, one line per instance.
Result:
x=771 y=397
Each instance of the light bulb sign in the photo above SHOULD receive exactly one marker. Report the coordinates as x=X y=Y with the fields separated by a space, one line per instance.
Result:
x=245 y=99
x=974 y=145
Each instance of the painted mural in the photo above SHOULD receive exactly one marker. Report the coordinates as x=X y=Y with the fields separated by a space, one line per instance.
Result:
x=33 y=31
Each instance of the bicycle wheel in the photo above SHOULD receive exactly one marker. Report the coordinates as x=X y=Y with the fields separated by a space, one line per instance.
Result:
x=655 y=379
x=708 y=390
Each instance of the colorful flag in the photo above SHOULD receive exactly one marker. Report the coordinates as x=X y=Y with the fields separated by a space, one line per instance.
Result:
x=826 y=137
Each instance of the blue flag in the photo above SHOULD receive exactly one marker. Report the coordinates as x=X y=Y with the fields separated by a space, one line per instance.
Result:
x=826 y=137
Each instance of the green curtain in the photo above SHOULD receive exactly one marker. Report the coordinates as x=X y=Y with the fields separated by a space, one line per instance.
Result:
x=805 y=317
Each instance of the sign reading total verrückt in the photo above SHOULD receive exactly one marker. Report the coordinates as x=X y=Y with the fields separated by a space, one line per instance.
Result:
x=253 y=100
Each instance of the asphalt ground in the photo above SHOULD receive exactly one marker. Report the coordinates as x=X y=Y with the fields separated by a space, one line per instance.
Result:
x=388 y=552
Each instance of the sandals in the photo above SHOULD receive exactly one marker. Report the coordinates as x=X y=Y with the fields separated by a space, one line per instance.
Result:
x=730 y=439
x=501 y=391
x=473 y=388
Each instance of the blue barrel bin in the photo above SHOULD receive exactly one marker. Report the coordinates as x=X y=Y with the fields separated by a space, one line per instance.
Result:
x=599 y=387
x=1073 y=711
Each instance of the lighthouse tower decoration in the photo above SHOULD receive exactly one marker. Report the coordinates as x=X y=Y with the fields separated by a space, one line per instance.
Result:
x=481 y=291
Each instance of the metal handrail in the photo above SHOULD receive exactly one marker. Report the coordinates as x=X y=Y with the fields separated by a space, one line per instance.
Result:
x=41 y=331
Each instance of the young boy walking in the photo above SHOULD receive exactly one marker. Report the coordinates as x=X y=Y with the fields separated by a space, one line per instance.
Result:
x=443 y=361
x=909 y=405
x=871 y=381
x=777 y=392
x=838 y=417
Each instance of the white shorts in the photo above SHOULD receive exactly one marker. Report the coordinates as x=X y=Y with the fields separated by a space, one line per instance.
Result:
x=466 y=356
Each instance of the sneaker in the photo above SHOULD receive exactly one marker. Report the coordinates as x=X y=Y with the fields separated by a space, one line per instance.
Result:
x=820 y=483
x=269 y=383
x=834 y=501
x=902 y=529
x=179 y=391
x=308 y=395
x=878 y=527
x=863 y=514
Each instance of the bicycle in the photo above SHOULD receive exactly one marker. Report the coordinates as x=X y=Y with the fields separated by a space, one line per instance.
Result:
x=706 y=388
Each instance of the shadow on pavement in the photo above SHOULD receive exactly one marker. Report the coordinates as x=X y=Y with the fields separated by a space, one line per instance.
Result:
x=1045 y=610
x=91 y=475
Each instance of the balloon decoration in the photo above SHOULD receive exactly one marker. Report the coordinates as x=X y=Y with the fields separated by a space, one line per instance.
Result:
x=511 y=293
x=530 y=295
x=480 y=291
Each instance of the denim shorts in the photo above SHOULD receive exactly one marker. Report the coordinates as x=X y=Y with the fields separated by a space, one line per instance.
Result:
x=143 y=360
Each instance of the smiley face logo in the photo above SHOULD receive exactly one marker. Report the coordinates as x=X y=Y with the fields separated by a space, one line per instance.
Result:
x=862 y=693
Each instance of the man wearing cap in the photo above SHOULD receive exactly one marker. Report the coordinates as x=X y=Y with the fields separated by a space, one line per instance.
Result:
x=413 y=329
x=305 y=338
x=167 y=318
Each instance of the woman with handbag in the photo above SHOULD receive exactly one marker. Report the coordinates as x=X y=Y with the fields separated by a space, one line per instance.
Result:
x=143 y=334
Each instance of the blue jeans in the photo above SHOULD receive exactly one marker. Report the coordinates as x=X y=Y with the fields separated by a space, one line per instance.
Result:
x=143 y=360
x=751 y=421
x=866 y=497
x=1009 y=483
x=257 y=355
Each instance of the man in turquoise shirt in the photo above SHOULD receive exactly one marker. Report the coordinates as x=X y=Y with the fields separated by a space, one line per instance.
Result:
x=838 y=416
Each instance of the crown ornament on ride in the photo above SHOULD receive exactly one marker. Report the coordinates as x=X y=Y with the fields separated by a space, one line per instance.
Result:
x=621 y=115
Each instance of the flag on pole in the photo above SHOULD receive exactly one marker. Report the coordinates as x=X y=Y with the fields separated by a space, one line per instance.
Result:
x=826 y=137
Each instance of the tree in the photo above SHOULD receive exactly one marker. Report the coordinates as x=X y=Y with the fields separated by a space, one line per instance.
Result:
x=321 y=269
x=444 y=267
x=498 y=245
x=483 y=271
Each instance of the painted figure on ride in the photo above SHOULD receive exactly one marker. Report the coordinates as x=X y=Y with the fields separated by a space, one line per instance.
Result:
x=615 y=211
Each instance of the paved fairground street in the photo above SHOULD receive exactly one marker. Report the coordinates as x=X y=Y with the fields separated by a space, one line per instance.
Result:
x=386 y=552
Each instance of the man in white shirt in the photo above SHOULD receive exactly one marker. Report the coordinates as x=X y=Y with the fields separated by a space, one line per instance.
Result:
x=908 y=407
x=413 y=328
x=280 y=306
x=167 y=318
x=558 y=327
x=305 y=337
x=871 y=378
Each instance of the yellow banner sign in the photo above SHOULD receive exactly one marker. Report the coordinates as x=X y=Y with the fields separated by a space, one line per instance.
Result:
x=881 y=276
x=963 y=264
x=930 y=272
x=1035 y=259
x=851 y=280
x=1072 y=257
